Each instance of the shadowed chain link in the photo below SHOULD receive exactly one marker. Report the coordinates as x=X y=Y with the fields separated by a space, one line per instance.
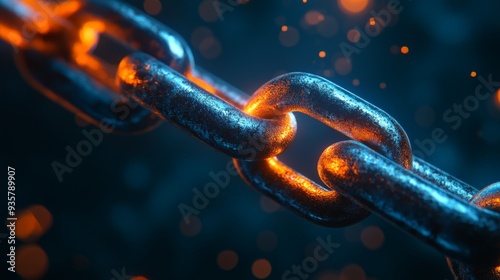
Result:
x=155 y=69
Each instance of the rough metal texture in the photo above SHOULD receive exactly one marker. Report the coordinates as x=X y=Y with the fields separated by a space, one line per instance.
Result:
x=342 y=111
x=207 y=117
x=452 y=225
x=93 y=95
x=487 y=198
x=415 y=196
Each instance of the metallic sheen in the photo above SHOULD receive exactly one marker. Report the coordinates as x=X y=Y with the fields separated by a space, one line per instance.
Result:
x=207 y=117
x=155 y=68
x=342 y=111
x=425 y=210
x=487 y=198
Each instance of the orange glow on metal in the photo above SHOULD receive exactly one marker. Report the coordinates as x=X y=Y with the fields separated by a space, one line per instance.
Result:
x=340 y=166
x=299 y=182
x=88 y=39
x=11 y=36
x=201 y=83
x=353 y=6
x=46 y=13
x=89 y=35
x=128 y=74
x=68 y=8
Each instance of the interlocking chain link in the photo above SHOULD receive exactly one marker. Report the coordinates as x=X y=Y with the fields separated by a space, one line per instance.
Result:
x=155 y=68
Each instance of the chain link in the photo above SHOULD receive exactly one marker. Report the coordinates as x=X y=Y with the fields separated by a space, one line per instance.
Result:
x=376 y=173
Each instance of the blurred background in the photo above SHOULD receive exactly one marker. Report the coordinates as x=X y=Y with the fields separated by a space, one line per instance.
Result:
x=116 y=216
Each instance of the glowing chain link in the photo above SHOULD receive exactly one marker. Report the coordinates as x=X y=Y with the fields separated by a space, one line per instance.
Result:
x=377 y=173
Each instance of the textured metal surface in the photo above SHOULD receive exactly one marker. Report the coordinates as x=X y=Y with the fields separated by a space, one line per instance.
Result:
x=487 y=198
x=92 y=93
x=300 y=194
x=139 y=31
x=160 y=75
x=442 y=179
x=80 y=94
x=425 y=210
x=335 y=107
x=207 y=117
x=342 y=111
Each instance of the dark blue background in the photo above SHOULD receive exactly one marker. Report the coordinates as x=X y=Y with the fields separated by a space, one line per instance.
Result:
x=119 y=209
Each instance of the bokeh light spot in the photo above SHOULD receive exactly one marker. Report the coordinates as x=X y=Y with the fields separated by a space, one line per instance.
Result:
x=289 y=38
x=313 y=17
x=382 y=85
x=322 y=54
x=328 y=73
x=405 y=50
x=261 y=268
x=31 y=262
x=33 y=222
x=227 y=260
x=395 y=49
x=207 y=11
x=268 y=205
x=355 y=82
x=372 y=237
x=352 y=272
x=192 y=228
x=328 y=276
x=343 y=66
x=353 y=6
x=353 y=35
x=152 y=7
x=210 y=48
x=473 y=74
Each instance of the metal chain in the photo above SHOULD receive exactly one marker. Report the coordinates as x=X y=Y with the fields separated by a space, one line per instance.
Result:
x=376 y=173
